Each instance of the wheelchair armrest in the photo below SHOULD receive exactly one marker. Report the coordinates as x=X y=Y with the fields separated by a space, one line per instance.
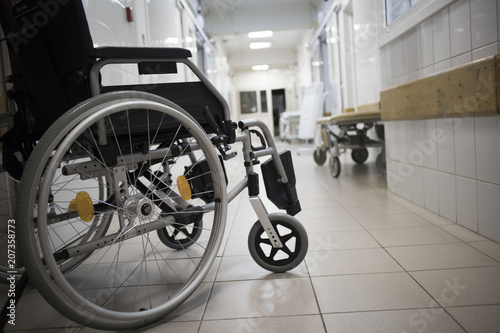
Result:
x=141 y=52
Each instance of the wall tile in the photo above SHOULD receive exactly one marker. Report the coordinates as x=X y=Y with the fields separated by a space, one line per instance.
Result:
x=385 y=68
x=487 y=132
x=483 y=22
x=412 y=53
x=485 y=51
x=431 y=190
x=498 y=18
x=467 y=202
x=388 y=140
x=418 y=190
x=428 y=144
x=441 y=33
x=445 y=145
x=407 y=187
x=442 y=66
x=398 y=58
x=404 y=138
x=391 y=183
x=416 y=135
x=461 y=59
x=398 y=133
x=426 y=45
x=447 y=196
x=488 y=210
x=465 y=147
x=427 y=71
x=460 y=37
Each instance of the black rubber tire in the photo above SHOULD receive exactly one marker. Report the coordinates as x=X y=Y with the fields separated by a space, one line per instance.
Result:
x=334 y=166
x=293 y=257
x=359 y=155
x=319 y=156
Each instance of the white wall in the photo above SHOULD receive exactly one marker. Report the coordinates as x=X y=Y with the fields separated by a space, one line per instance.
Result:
x=366 y=51
x=447 y=165
x=265 y=80
x=155 y=24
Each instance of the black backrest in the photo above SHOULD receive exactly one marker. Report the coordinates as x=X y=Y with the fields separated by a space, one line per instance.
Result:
x=49 y=46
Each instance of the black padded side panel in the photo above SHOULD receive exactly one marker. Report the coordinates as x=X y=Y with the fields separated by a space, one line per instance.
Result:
x=49 y=45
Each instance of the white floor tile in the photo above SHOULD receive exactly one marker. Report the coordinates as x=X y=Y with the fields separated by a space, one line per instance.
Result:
x=460 y=287
x=412 y=236
x=344 y=262
x=417 y=320
x=392 y=221
x=298 y=324
x=439 y=256
x=477 y=319
x=341 y=240
x=488 y=247
x=234 y=268
x=261 y=298
x=368 y=292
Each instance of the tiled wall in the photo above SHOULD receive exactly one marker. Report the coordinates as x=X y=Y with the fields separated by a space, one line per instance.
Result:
x=449 y=165
x=467 y=30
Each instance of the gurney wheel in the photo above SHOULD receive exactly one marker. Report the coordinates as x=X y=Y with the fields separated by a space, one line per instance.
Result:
x=359 y=155
x=292 y=235
x=334 y=165
x=319 y=156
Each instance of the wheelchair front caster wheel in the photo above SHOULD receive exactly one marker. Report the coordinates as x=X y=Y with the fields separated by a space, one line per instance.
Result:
x=293 y=237
x=319 y=156
x=334 y=166
x=180 y=236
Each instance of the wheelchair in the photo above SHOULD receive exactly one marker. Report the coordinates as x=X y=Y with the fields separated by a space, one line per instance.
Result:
x=122 y=202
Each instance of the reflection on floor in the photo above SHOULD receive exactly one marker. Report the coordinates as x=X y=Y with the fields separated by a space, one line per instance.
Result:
x=376 y=263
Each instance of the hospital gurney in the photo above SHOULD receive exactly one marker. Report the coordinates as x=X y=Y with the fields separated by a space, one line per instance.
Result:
x=351 y=134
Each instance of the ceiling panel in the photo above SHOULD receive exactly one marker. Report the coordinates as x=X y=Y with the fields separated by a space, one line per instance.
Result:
x=230 y=21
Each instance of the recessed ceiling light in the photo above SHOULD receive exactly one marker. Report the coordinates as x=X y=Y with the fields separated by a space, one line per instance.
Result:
x=260 y=67
x=260 y=34
x=260 y=45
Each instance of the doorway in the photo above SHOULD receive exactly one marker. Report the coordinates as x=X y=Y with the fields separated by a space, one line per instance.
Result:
x=279 y=105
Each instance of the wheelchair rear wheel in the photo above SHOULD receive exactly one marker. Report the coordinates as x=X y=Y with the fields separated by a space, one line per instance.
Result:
x=95 y=189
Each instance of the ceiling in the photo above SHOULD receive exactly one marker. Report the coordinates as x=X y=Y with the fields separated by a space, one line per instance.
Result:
x=229 y=21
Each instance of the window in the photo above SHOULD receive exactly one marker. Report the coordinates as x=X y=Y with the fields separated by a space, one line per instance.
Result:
x=396 y=8
x=248 y=101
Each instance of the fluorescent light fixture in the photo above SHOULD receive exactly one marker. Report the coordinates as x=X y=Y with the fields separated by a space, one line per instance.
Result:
x=260 y=67
x=172 y=40
x=260 y=45
x=260 y=34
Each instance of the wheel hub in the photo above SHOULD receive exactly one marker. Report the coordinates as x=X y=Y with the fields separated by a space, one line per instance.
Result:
x=138 y=207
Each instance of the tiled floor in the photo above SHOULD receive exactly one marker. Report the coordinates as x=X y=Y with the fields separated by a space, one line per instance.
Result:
x=376 y=263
